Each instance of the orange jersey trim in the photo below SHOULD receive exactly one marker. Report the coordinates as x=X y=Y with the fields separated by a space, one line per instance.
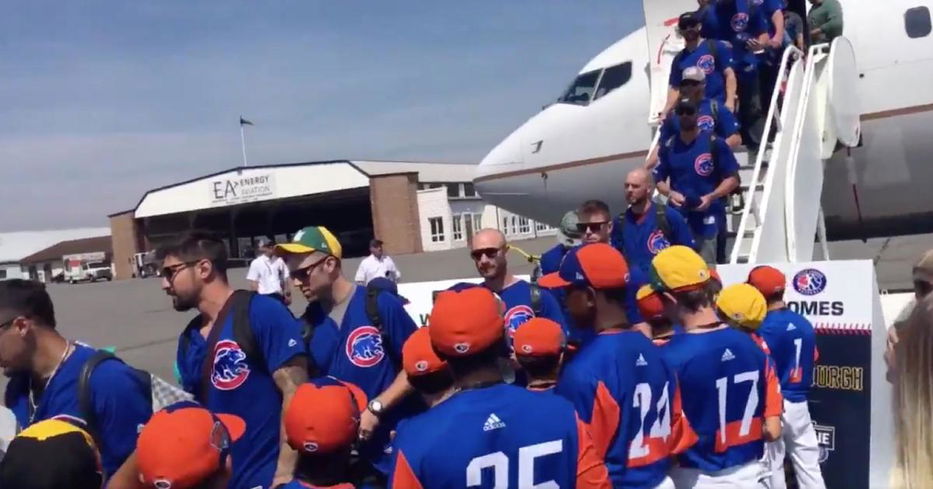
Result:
x=404 y=477
x=591 y=471
x=604 y=424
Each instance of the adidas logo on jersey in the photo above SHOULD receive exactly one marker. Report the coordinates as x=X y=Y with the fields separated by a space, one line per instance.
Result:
x=493 y=423
x=791 y=327
x=727 y=355
x=641 y=362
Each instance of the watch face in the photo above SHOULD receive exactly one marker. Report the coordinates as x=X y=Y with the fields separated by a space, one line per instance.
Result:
x=375 y=406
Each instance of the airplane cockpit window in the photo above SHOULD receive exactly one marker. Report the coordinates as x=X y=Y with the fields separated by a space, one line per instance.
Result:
x=613 y=78
x=582 y=89
x=917 y=22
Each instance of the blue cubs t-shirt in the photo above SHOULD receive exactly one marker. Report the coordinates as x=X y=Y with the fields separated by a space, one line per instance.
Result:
x=120 y=400
x=719 y=120
x=519 y=309
x=711 y=56
x=244 y=386
x=639 y=238
x=550 y=259
x=694 y=173
x=736 y=22
x=355 y=351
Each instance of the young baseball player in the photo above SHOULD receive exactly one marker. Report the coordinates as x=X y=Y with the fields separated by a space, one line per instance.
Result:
x=730 y=393
x=743 y=307
x=539 y=350
x=427 y=373
x=793 y=346
x=618 y=382
x=490 y=434
x=652 y=310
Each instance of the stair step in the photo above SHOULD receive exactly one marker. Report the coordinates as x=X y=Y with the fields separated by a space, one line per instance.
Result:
x=760 y=187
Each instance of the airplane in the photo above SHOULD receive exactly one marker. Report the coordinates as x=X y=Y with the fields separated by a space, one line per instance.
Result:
x=582 y=146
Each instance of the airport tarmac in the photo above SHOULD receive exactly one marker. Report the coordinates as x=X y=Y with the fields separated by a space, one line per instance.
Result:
x=137 y=317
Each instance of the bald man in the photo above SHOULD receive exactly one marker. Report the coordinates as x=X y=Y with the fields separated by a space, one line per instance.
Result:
x=523 y=300
x=647 y=227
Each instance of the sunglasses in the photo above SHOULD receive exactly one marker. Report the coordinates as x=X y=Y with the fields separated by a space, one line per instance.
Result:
x=685 y=111
x=593 y=227
x=170 y=272
x=487 y=252
x=303 y=272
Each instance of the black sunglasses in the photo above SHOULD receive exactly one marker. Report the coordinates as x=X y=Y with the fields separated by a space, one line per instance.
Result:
x=169 y=272
x=592 y=227
x=685 y=111
x=488 y=252
x=303 y=272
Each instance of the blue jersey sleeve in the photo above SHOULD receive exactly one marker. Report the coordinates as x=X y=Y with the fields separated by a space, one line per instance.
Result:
x=726 y=163
x=727 y=124
x=121 y=405
x=676 y=72
x=680 y=229
x=551 y=309
x=668 y=127
x=396 y=323
x=758 y=22
x=772 y=6
x=580 y=391
x=277 y=333
x=550 y=259
x=725 y=54
x=663 y=171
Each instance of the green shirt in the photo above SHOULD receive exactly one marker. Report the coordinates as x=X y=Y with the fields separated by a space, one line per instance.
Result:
x=827 y=17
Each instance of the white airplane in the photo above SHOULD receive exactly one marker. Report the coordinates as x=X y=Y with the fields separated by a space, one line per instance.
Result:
x=582 y=146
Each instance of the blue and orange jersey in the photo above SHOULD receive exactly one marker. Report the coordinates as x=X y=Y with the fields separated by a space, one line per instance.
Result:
x=497 y=436
x=728 y=387
x=793 y=347
x=760 y=341
x=623 y=391
x=661 y=341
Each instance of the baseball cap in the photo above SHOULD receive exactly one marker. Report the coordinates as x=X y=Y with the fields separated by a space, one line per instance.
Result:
x=539 y=337
x=742 y=304
x=597 y=265
x=649 y=303
x=418 y=356
x=923 y=269
x=465 y=323
x=567 y=232
x=713 y=274
x=768 y=280
x=693 y=73
x=688 y=20
x=311 y=239
x=678 y=268
x=386 y=285
x=323 y=417
x=184 y=444
x=52 y=454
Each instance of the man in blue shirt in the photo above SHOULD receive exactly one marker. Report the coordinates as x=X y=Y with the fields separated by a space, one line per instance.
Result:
x=568 y=236
x=44 y=368
x=364 y=331
x=647 y=227
x=697 y=170
x=713 y=57
x=250 y=373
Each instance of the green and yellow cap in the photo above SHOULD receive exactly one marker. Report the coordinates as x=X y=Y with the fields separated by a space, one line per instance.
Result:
x=311 y=239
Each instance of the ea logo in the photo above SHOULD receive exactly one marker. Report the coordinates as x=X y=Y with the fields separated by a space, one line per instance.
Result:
x=516 y=317
x=739 y=22
x=809 y=281
x=706 y=123
x=707 y=63
x=657 y=242
x=703 y=165
x=364 y=347
x=230 y=367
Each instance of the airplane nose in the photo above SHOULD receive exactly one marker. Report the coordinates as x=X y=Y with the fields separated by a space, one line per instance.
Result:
x=506 y=153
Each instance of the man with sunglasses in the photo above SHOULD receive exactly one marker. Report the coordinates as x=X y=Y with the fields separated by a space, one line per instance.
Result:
x=697 y=170
x=369 y=355
x=44 y=368
x=251 y=378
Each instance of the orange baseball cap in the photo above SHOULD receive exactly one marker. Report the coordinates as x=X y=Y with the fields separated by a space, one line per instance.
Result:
x=597 y=265
x=418 y=356
x=649 y=303
x=768 y=280
x=324 y=416
x=539 y=337
x=714 y=275
x=465 y=323
x=184 y=444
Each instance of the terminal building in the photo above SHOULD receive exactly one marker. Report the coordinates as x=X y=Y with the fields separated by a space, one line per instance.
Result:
x=411 y=206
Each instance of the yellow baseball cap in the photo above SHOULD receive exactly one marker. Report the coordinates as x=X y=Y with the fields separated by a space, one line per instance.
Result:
x=678 y=268
x=742 y=304
x=311 y=239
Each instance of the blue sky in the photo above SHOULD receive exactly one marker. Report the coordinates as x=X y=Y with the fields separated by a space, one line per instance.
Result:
x=101 y=101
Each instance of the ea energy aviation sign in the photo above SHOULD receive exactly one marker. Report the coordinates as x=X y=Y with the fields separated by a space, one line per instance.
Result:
x=240 y=189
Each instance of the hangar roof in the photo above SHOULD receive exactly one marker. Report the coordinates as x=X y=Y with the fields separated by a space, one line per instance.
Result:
x=273 y=182
x=17 y=245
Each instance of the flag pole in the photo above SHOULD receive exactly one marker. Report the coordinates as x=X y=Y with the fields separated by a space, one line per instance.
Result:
x=243 y=141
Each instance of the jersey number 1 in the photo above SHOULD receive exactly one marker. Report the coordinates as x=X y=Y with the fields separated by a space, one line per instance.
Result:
x=499 y=463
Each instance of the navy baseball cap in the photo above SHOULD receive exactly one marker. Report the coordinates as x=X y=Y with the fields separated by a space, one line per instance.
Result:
x=386 y=285
x=596 y=265
x=688 y=20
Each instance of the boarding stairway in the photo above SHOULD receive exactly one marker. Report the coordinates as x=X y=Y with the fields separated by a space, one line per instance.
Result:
x=813 y=111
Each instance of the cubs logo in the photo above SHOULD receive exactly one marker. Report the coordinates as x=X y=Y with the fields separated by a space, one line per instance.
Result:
x=364 y=347
x=516 y=317
x=706 y=123
x=809 y=281
x=657 y=242
x=703 y=165
x=739 y=22
x=707 y=63
x=230 y=368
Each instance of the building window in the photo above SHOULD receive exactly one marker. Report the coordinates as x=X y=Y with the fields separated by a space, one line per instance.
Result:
x=437 y=229
x=505 y=225
x=540 y=226
x=917 y=22
x=458 y=227
x=453 y=190
x=523 y=225
x=477 y=223
x=514 y=225
x=469 y=190
x=2 y=273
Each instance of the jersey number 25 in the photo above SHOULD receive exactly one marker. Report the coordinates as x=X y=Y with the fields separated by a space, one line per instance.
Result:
x=499 y=463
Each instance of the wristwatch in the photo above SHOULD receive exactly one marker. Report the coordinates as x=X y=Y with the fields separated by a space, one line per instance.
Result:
x=376 y=407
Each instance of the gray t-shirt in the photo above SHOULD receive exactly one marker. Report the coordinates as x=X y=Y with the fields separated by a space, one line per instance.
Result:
x=339 y=310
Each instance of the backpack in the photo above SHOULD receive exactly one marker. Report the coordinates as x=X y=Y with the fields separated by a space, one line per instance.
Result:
x=660 y=217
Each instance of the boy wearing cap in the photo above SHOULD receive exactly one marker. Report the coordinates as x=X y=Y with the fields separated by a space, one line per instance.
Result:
x=568 y=236
x=52 y=454
x=652 y=309
x=792 y=341
x=713 y=57
x=727 y=383
x=744 y=308
x=490 y=434
x=369 y=355
x=427 y=373
x=539 y=351
x=617 y=380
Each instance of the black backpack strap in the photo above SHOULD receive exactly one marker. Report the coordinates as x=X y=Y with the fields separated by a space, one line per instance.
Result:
x=234 y=302
x=660 y=218
x=536 y=299
x=713 y=49
x=85 y=394
x=375 y=320
x=242 y=330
